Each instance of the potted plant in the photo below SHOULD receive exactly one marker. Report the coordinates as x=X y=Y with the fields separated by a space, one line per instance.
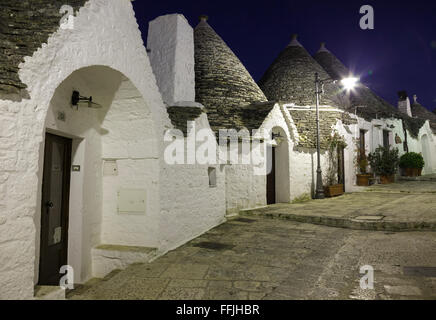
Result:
x=384 y=162
x=411 y=164
x=362 y=177
x=333 y=188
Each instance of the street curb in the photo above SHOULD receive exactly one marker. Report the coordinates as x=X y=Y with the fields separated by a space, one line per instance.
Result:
x=348 y=223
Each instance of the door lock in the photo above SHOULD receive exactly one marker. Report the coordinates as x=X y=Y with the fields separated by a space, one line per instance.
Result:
x=49 y=204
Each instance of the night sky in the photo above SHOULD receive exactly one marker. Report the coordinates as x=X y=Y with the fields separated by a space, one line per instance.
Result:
x=399 y=54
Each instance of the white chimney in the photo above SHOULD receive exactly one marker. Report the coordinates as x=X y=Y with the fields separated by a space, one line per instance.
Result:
x=171 y=44
x=404 y=103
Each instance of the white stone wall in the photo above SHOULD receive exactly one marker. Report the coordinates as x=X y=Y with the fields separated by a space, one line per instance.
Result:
x=374 y=138
x=183 y=205
x=189 y=206
x=171 y=44
x=97 y=39
x=303 y=161
x=245 y=187
x=425 y=144
x=130 y=143
x=83 y=127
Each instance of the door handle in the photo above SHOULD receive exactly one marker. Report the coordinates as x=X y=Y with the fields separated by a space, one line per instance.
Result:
x=49 y=204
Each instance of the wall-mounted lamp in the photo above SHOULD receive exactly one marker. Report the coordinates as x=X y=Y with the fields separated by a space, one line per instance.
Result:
x=276 y=135
x=77 y=98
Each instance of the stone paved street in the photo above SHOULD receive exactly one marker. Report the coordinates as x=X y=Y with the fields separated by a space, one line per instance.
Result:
x=402 y=206
x=261 y=258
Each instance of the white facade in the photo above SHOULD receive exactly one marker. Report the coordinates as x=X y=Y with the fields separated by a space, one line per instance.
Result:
x=105 y=59
x=120 y=147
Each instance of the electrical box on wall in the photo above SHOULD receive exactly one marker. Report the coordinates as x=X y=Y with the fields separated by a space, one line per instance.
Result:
x=132 y=201
x=110 y=168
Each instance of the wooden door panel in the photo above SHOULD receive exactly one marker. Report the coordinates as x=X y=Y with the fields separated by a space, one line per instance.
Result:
x=54 y=208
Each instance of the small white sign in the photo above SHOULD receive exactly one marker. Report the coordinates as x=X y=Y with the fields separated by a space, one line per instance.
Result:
x=57 y=235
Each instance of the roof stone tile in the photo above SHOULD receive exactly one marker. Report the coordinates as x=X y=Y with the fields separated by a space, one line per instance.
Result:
x=222 y=83
x=291 y=78
x=24 y=26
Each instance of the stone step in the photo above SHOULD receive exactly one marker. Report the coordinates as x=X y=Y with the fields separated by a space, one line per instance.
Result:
x=374 y=223
x=430 y=177
x=49 y=293
x=109 y=257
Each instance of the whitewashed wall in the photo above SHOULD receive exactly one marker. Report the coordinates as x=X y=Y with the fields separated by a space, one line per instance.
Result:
x=98 y=39
x=171 y=44
x=83 y=127
x=277 y=122
x=129 y=143
x=189 y=206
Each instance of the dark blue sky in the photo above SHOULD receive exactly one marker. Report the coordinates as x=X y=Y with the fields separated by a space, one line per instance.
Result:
x=399 y=54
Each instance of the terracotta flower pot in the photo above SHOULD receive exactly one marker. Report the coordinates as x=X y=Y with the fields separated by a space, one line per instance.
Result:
x=412 y=172
x=408 y=172
x=334 y=190
x=363 y=179
x=387 y=179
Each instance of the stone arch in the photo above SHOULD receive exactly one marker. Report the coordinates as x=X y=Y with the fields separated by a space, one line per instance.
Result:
x=97 y=39
x=122 y=136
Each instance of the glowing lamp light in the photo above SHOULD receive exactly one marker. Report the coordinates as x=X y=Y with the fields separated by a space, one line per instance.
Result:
x=349 y=83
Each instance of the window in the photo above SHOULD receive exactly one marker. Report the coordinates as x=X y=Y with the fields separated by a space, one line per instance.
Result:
x=211 y=171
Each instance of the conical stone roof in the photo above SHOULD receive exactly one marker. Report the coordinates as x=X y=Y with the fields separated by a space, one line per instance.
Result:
x=291 y=78
x=24 y=27
x=421 y=112
x=222 y=83
x=369 y=105
x=330 y=63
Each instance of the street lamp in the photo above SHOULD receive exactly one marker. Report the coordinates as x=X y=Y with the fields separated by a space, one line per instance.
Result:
x=348 y=84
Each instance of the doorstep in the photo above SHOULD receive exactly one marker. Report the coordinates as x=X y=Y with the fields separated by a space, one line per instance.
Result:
x=49 y=293
x=108 y=257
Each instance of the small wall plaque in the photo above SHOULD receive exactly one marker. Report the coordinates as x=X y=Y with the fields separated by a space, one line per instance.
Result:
x=110 y=168
x=61 y=116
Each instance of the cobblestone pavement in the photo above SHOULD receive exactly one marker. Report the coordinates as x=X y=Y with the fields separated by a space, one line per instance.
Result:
x=261 y=258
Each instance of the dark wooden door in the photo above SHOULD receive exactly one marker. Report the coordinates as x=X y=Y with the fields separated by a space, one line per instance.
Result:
x=386 y=139
x=271 y=179
x=362 y=142
x=54 y=208
x=341 y=166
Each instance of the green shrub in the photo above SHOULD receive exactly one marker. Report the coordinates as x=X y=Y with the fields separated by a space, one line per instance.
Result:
x=412 y=160
x=384 y=161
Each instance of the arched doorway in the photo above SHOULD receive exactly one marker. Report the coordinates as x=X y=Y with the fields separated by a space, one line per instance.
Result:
x=278 y=184
x=111 y=192
x=426 y=154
